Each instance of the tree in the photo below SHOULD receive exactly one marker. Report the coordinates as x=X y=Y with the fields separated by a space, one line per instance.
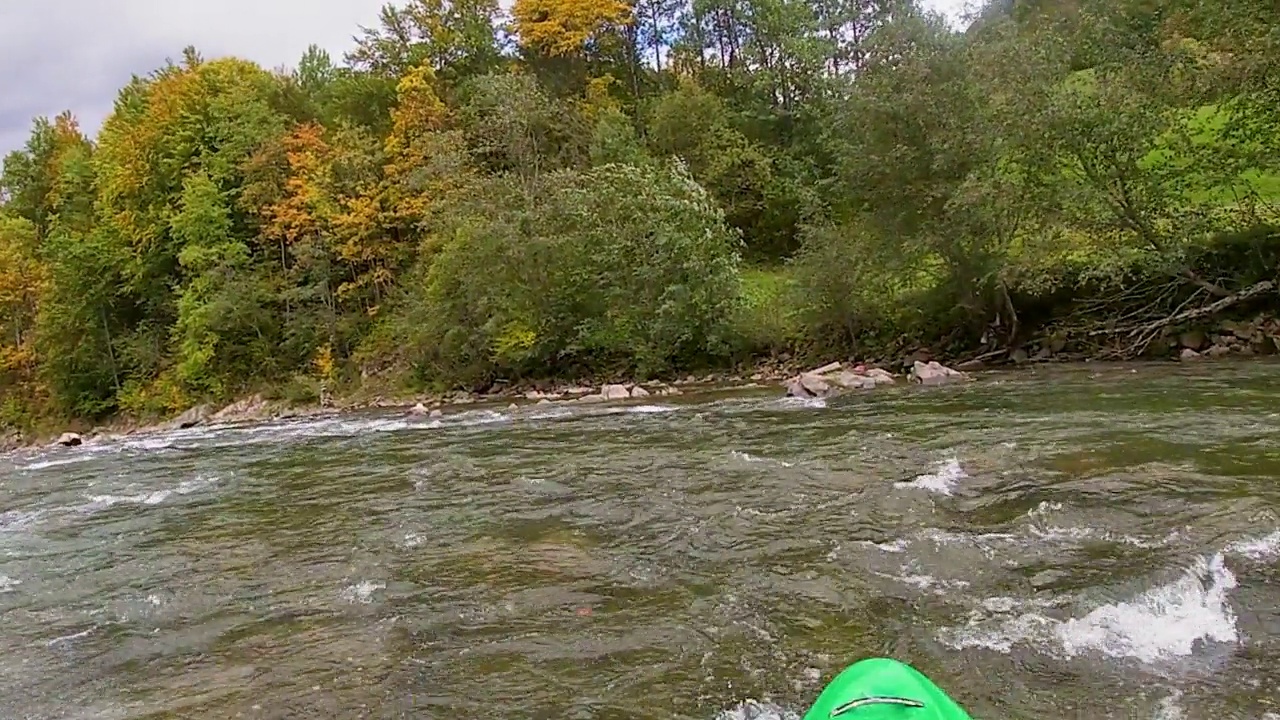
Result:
x=567 y=27
x=454 y=38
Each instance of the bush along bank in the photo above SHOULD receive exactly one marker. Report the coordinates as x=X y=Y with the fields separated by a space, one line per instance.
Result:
x=620 y=202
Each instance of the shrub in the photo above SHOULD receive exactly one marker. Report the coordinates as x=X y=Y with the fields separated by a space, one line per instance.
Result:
x=618 y=269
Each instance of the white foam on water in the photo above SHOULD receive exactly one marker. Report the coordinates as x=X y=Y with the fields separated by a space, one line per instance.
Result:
x=549 y=412
x=55 y=462
x=1169 y=709
x=649 y=409
x=749 y=458
x=1043 y=509
x=362 y=592
x=1161 y=623
x=479 y=417
x=1040 y=529
x=69 y=638
x=982 y=541
x=8 y=584
x=150 y=443
x=1263 y=548
x=413 y=540
x=891 y=546
x=755 y=710
x=942 y=480
x=814 y=403
x=1057 y=533
x=12 y=520
x=155 y=497
x=926 y=582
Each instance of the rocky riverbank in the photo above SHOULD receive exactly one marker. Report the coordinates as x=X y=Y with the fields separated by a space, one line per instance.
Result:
x=1228 y=338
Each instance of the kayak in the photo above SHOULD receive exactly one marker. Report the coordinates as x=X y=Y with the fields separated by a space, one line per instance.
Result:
x=883 y=689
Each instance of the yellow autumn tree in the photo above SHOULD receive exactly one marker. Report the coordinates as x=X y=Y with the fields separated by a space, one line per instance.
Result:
x=426 y=164
x=23 y=279
x=380 y=230
x=564 y=27
x=305 y=205
x=414 y=145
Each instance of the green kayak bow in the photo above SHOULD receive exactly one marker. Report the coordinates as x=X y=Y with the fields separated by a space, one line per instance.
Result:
x=883 y=689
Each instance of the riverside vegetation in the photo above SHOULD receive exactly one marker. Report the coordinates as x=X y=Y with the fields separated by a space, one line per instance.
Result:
x=603 y=189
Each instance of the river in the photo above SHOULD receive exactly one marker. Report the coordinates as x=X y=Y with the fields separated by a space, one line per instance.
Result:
x=1083 y=542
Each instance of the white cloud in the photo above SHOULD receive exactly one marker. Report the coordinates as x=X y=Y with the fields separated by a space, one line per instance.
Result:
x=76 y=54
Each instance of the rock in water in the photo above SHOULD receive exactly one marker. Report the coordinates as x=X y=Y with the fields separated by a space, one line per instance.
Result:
x=1189 y=354
x=639 y=392
x=833 y=378
x=418 y=409
x=795 y=388
x=935 y=373
x=816 y=386
x=68 y=439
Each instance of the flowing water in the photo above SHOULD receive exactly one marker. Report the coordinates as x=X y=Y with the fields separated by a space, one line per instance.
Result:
x=1090 y=542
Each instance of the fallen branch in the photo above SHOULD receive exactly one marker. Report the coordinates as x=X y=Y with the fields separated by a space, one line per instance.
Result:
x=1192 y=314
x=978 y=360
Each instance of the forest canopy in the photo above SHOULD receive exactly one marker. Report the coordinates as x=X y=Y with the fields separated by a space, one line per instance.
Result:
x=637 y=188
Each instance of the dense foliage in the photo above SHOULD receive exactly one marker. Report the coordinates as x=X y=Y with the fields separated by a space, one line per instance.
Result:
x=609 y=187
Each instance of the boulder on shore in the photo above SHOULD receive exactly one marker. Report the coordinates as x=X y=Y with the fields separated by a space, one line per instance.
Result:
x=68 y=439
x=250 y=408
x=881 y=376
x=615 y=392
x=191 y=418
x=935 y=373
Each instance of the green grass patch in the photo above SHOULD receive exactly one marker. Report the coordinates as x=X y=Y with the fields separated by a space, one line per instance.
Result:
x=767 y=318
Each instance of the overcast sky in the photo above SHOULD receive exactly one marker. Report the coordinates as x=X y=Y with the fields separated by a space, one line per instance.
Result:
x=76 y=54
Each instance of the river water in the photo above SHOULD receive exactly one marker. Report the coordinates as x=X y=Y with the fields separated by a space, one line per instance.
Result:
x=1086 y=542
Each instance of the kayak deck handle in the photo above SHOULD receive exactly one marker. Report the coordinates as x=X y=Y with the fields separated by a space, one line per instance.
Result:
x=875 y=700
